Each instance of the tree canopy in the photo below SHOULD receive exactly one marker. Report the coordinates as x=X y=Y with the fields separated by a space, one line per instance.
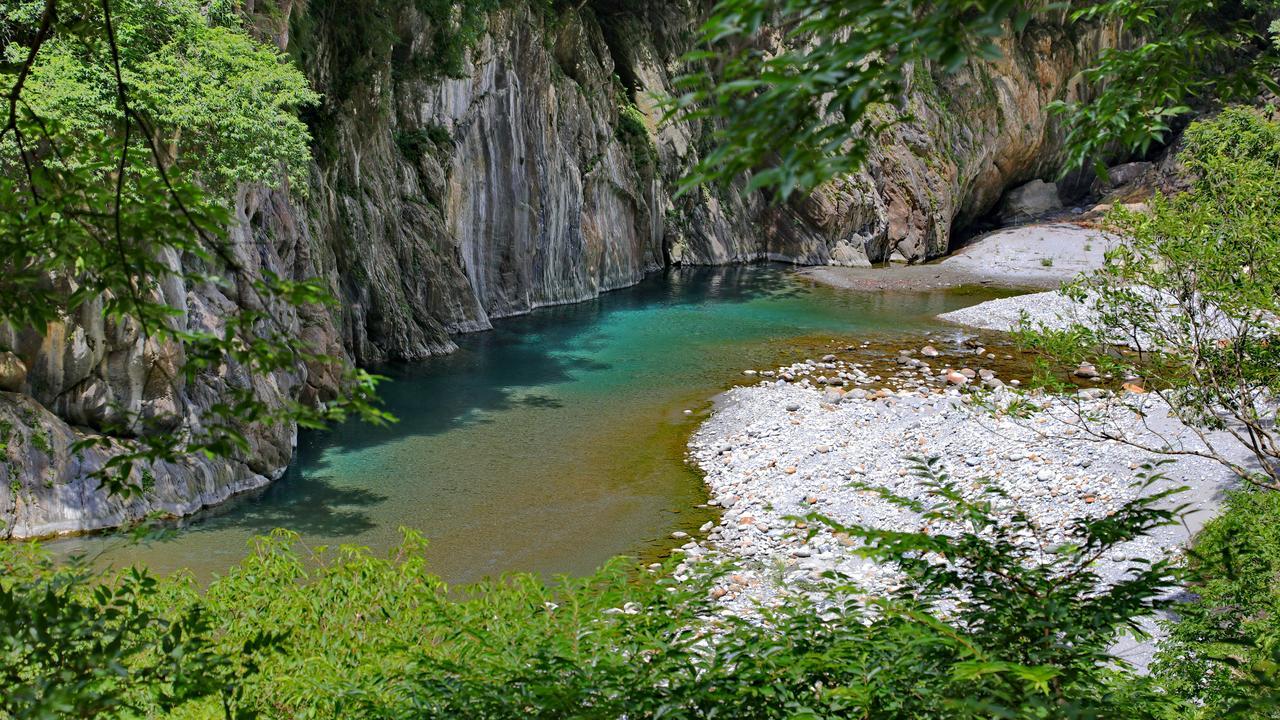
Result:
x=128 y=125
x=798 y=89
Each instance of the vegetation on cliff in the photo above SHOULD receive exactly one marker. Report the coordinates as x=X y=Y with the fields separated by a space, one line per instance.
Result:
x=798 y=115
x=221 y=106
x=128 y=126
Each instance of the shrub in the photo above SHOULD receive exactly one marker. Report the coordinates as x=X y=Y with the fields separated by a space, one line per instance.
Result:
x=986 y=624
x=1223 y=651
x=1192 y=296
x=76 y=648
x=633 y=131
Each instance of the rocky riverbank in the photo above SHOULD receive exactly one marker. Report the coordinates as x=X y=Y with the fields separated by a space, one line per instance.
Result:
x=1034 y=256
x=792 y=445
x=537 y=172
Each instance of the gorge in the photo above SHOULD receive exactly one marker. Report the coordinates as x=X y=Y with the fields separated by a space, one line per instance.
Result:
x=540 y=176
x=760 y=359
x=551 y=443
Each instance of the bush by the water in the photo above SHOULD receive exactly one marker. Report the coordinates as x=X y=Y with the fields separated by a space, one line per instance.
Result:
x=985 y=625
x=1224 y=649
x=1192 y=296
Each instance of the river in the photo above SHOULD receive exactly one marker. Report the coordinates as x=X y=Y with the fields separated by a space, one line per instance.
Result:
x=550 y=443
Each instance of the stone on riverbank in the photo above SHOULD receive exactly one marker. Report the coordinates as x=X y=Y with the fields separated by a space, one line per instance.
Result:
x=785 y=462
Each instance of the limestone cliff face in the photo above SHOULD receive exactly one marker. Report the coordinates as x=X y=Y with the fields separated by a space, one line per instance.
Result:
x=438 y=204
x=87 y=375
x=447 y=203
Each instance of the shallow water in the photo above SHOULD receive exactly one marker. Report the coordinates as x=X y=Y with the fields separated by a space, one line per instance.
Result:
x=554 y=441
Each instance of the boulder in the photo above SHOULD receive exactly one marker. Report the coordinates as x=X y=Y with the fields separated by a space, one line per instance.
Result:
x=1086 y=371
x=13 y=372
x=1121 y=175
x=1030 y=200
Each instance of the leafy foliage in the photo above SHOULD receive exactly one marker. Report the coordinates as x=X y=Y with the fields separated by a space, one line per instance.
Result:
x=72 y=648
x=455 y=29
x=415 y=144
x=989 y=622
x=633 y=130
x=1038 y=620
x=799 y=89
x=1223 y=652
x=1192 y=52
x=113 y=169
x=221 y=106
x=1193 y=295
x=128 y=123
x=361 y=36
x=804 y=112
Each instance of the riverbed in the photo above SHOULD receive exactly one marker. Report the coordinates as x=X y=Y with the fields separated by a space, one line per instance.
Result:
x=554 y=441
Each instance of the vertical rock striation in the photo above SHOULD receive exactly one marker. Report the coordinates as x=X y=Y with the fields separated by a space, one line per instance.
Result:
x=436 y=204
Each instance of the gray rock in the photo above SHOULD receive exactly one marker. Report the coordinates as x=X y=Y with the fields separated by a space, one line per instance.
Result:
x=13 y=372
x=1030 y=200
x=1086 y=371
x=1120 y=175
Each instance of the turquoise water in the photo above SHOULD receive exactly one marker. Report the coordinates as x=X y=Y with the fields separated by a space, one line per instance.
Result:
x=554 y=441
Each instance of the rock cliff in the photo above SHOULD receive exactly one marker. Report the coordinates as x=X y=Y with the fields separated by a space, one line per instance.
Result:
x=540 y=175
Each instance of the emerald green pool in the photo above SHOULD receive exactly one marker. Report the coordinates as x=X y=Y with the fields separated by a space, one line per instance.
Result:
x=551 y=443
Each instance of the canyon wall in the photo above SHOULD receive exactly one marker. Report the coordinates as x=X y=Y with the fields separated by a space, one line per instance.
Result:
x=540 y=175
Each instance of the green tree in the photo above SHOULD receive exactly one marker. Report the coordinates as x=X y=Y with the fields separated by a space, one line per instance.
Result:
x=221 y=106
x=799 y=89
x=1190 y=301
x=128 y=125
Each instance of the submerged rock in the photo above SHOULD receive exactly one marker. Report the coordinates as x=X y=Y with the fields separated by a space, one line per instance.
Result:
x=1086 y=371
